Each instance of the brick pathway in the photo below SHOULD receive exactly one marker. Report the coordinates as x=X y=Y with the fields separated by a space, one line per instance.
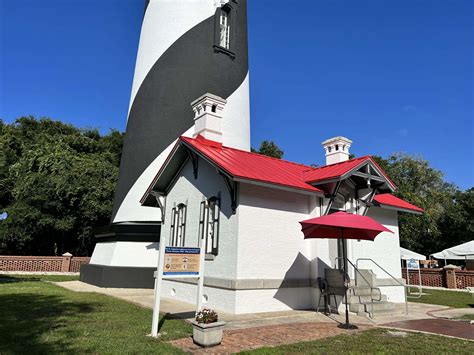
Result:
x=236 y=340
x=452 y=328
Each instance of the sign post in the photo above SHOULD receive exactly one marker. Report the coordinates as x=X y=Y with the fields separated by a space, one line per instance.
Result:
x=177 y=262
x=158 y=282
x=200 y=279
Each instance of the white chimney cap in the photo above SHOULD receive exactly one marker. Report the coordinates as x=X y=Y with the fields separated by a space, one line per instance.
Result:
x=207 y=116
x=337 y=139
x=337 y=149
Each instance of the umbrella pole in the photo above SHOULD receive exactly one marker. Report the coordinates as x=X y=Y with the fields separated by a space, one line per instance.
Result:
x=345 y=325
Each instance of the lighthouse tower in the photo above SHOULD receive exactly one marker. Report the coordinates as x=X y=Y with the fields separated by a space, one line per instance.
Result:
x=187 y=48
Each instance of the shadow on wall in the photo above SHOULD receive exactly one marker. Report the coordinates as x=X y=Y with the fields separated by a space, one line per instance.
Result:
x=321 y=266
x=154 y=245
x=299 y=288
x=334 y=301
x=294 y=290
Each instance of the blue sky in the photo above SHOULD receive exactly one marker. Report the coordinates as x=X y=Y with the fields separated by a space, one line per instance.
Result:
x=394 y=76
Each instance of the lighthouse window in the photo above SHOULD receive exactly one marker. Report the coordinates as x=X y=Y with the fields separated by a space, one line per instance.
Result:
x=224 y=26
x=209 y=224
x=178 y=225
x=224 y=29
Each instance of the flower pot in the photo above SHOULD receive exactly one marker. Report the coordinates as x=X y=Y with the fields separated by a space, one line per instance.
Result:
x=208 y=334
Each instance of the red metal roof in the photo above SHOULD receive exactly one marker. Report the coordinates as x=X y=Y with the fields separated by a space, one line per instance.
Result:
x=390 y=200
x=252 y=166
x=257 y=167
x=333 y=171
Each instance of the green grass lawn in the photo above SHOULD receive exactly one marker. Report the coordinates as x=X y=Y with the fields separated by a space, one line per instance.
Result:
x=40 y=317
x=467 y=317
x=37 y=316
x=453 y=299
x=375 y=341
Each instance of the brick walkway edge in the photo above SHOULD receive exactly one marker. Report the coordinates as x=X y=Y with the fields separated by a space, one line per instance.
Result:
x=236 y=340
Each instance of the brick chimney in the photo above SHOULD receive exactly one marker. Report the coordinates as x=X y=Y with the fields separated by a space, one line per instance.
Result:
x=337 y=149
x=207 y=117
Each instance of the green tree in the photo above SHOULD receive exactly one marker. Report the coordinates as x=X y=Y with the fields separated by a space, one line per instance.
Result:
x=269 y=148
x=425 y=187
x=56 y=184
x=457 y=223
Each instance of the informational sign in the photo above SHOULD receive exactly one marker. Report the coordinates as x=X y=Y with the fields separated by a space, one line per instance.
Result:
x=177 y=262
x=181 y=261
x=413 y=264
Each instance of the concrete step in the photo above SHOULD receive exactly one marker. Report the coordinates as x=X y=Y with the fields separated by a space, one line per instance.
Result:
x=369 y=307
x=357 y=308
x=367 y=298
x=388 y=312
x=360 y=311
x=378 y=306
x=363 y=291
x=366 y=277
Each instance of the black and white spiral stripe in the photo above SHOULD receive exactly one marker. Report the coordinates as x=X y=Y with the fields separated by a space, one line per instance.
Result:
x=176 y=63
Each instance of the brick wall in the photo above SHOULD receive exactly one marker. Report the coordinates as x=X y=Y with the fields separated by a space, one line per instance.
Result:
x=77 y=261
x=448 y=278
x=67 y=263
x=464 y=278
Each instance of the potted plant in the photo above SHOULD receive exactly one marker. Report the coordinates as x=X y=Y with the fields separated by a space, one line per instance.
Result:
x=207 y=330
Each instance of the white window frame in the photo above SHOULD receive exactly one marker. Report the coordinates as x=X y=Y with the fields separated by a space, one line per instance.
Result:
x=224 y=29
x=209 y=223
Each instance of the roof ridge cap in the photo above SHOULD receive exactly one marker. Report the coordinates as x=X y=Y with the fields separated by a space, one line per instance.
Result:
x=254 y=153
x=341 y=162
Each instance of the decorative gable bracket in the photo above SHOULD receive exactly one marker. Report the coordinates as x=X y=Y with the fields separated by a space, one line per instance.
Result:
x=161 y=201
x=232 y=187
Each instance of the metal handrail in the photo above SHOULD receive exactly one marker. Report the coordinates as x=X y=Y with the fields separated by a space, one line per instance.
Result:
x=420 y=288
x=393 y=277
x=367 y=282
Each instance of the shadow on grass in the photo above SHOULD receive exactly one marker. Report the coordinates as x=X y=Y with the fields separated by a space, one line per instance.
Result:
x=174 y=316
x=16 y=278
x=29 y=322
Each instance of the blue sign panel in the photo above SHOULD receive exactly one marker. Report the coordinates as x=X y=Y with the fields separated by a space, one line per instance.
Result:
x=181 y=261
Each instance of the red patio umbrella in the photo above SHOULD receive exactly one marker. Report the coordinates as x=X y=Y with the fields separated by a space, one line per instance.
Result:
x=343 y=225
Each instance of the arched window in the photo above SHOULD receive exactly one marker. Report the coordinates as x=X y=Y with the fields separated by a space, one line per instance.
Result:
x=178 y=225
x=209 y=224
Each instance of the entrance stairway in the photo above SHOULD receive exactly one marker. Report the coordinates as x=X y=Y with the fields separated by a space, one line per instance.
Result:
x=366 y=299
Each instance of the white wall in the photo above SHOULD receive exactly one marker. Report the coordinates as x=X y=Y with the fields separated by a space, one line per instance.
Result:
x=215 y=298
x=243 y=301
x=273 y=300
x=385 y=249
x=191 y=192
x=136 y=254
x=271 y=244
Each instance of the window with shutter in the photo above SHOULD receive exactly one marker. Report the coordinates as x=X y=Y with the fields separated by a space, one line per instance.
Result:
x=209 y=225
x=178 y=225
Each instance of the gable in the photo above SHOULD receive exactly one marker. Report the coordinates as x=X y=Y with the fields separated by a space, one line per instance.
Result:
x=362 y=171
